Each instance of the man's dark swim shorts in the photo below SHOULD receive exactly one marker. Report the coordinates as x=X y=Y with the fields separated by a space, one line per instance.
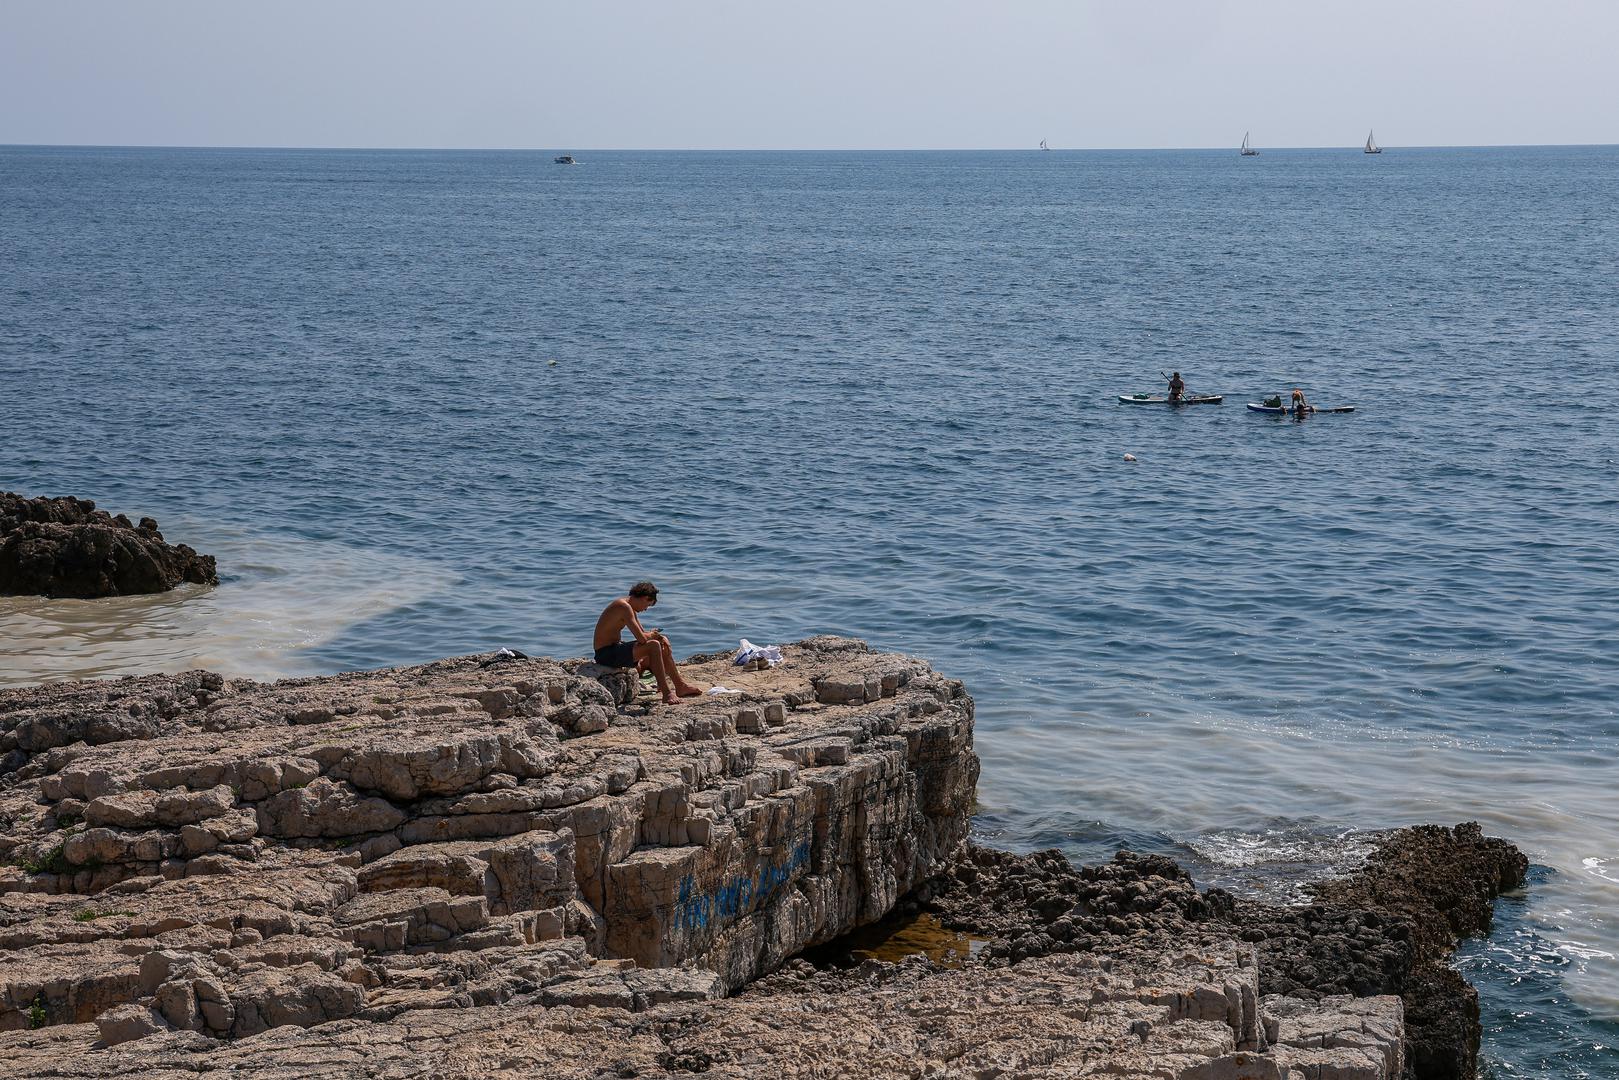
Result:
x=619 y=654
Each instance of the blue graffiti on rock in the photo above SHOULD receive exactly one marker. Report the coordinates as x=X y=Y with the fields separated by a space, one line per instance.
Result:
x=738 y=896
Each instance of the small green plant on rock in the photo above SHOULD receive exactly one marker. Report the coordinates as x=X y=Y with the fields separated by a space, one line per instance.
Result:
x=37 y=1017
x=90 y=914
x=52 y=862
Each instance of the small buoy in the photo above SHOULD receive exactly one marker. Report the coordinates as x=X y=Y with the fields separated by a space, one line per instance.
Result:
x=1129 y=457
x=552 y=363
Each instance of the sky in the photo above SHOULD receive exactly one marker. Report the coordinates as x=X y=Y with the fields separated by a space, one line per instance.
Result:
x=769 y=74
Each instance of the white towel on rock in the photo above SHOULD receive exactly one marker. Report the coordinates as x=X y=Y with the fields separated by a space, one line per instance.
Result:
x=749 y=651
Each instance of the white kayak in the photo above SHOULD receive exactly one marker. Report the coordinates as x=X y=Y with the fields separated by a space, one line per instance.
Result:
x=1147 y=399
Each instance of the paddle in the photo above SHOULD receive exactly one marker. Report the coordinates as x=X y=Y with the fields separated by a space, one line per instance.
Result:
x=1185 y=393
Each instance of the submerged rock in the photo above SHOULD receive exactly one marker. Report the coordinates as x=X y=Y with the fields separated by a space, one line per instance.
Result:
x=67 y=548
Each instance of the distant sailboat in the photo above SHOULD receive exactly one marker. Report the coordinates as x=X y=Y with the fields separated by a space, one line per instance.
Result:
x=1043 y=145
x=1248 y=151
x=1371 y=145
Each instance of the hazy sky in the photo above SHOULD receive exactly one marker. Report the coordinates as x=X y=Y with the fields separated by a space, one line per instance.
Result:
x=760 y=74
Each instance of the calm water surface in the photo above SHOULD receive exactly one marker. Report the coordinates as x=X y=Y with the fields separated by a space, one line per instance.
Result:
x=875 y=394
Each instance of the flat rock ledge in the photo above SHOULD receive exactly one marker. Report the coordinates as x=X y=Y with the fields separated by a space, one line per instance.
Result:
x=498 y=866
x=67 y=548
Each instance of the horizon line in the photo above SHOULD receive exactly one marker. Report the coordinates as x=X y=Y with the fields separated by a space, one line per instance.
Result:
x=781 y=149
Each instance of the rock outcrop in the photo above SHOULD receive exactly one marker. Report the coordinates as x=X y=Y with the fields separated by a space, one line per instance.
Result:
x=222 y=857
x=1389 y=928
x=1385 y=929
x=337 y=877
x=66 y=547
x=1188 y=1014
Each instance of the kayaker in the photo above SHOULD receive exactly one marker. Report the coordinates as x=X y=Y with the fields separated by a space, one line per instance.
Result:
x=1177 y=388
x=1300 y=406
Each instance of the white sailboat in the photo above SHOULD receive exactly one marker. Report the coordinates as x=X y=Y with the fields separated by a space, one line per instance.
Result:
x=1043 y=145
x=1248 y=151
x=1371 y=145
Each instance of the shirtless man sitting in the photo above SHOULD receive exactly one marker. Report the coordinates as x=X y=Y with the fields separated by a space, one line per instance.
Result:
x=648 y=652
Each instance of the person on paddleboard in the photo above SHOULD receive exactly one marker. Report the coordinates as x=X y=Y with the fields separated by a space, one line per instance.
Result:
x=1177 y=388
x=1300 y=406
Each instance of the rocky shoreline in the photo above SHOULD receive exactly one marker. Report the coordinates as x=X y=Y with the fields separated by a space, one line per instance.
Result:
x=496 y=865
x=1385 y=929
x=67 y=548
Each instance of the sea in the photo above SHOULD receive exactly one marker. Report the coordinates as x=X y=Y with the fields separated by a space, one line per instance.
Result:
x=430 y=403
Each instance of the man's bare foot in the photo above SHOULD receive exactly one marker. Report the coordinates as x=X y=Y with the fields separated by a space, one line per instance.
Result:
x=670 y=699
x=688 y=690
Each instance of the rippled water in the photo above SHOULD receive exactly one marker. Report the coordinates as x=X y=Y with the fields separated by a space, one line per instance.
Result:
x=875 y=394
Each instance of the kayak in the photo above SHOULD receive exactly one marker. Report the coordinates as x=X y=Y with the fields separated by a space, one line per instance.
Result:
x=1278 y=410
x=1144 y=399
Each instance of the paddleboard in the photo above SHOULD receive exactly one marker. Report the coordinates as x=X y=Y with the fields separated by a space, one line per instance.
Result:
x=1277 y=410
x=1143 y=399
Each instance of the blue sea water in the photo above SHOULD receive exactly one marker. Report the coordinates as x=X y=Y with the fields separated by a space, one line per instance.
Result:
x=430 y=403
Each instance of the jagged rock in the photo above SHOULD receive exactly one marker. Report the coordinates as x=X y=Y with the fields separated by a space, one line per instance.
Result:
x=1385 y=929
x=66 y=547
x=1388 y=927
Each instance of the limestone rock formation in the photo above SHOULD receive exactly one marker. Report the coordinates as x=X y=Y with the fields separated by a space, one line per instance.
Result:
x=337 y=877
x=227 y=857
x=66 y=547
x=1186 y=1015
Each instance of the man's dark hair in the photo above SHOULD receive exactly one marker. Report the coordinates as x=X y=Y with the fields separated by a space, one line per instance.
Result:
x=646 y=589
